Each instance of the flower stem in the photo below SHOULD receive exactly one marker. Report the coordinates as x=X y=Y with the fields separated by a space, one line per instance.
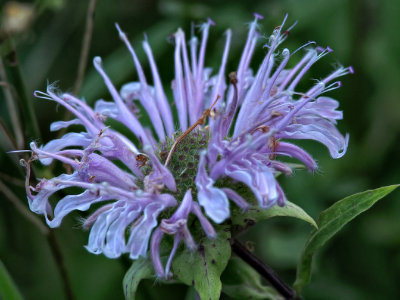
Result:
x=264 y=270
x=22 y=209
x=28 y=111
x=49 y=234
x=85 y=46
x=12 y=107
x=56 y=251
x=87 y=37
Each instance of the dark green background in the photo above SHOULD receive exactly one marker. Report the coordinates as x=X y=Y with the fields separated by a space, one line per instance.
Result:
x=362 y=262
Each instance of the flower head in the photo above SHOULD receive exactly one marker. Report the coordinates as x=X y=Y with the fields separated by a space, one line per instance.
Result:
x=229 y=132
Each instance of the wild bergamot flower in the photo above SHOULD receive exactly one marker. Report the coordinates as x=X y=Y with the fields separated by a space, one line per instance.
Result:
x=229 y=134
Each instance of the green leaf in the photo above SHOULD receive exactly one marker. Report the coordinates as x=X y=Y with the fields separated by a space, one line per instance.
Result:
x=190 y=294
x=141 y=268
x=8 y=289
x=240 y=281
x=256 y=214
x=330 y=222
x=203 y=267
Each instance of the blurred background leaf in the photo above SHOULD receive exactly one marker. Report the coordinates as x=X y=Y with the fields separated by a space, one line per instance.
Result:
x=8 y=289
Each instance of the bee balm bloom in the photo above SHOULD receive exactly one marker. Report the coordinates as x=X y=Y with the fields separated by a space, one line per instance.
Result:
x=229 y=132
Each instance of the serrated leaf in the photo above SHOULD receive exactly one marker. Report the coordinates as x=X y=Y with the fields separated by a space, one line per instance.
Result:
x=203 y=267
x=8 y=289
x=241 y=281
x=256 y=214
x=330 y=222
x=140 y=269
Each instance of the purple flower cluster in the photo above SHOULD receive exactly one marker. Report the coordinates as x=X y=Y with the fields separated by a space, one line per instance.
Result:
x=251 y=120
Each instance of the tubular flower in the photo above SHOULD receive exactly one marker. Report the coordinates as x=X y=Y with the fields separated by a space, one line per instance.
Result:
x=229 y=133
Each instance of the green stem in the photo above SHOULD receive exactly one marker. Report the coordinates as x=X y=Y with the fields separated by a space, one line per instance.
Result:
x=87 y=37
x=22 y=209
x=85 y=46
x=50 y=236
x=28 y=111
x=265 y=271
x=62 y=270
x=12 y=107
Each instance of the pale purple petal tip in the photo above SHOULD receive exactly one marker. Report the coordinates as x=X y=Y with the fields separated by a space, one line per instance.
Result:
x=258 y=16
x=210 y=21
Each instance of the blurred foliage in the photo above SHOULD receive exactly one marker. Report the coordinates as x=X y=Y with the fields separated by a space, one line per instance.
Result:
x=362 y=262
